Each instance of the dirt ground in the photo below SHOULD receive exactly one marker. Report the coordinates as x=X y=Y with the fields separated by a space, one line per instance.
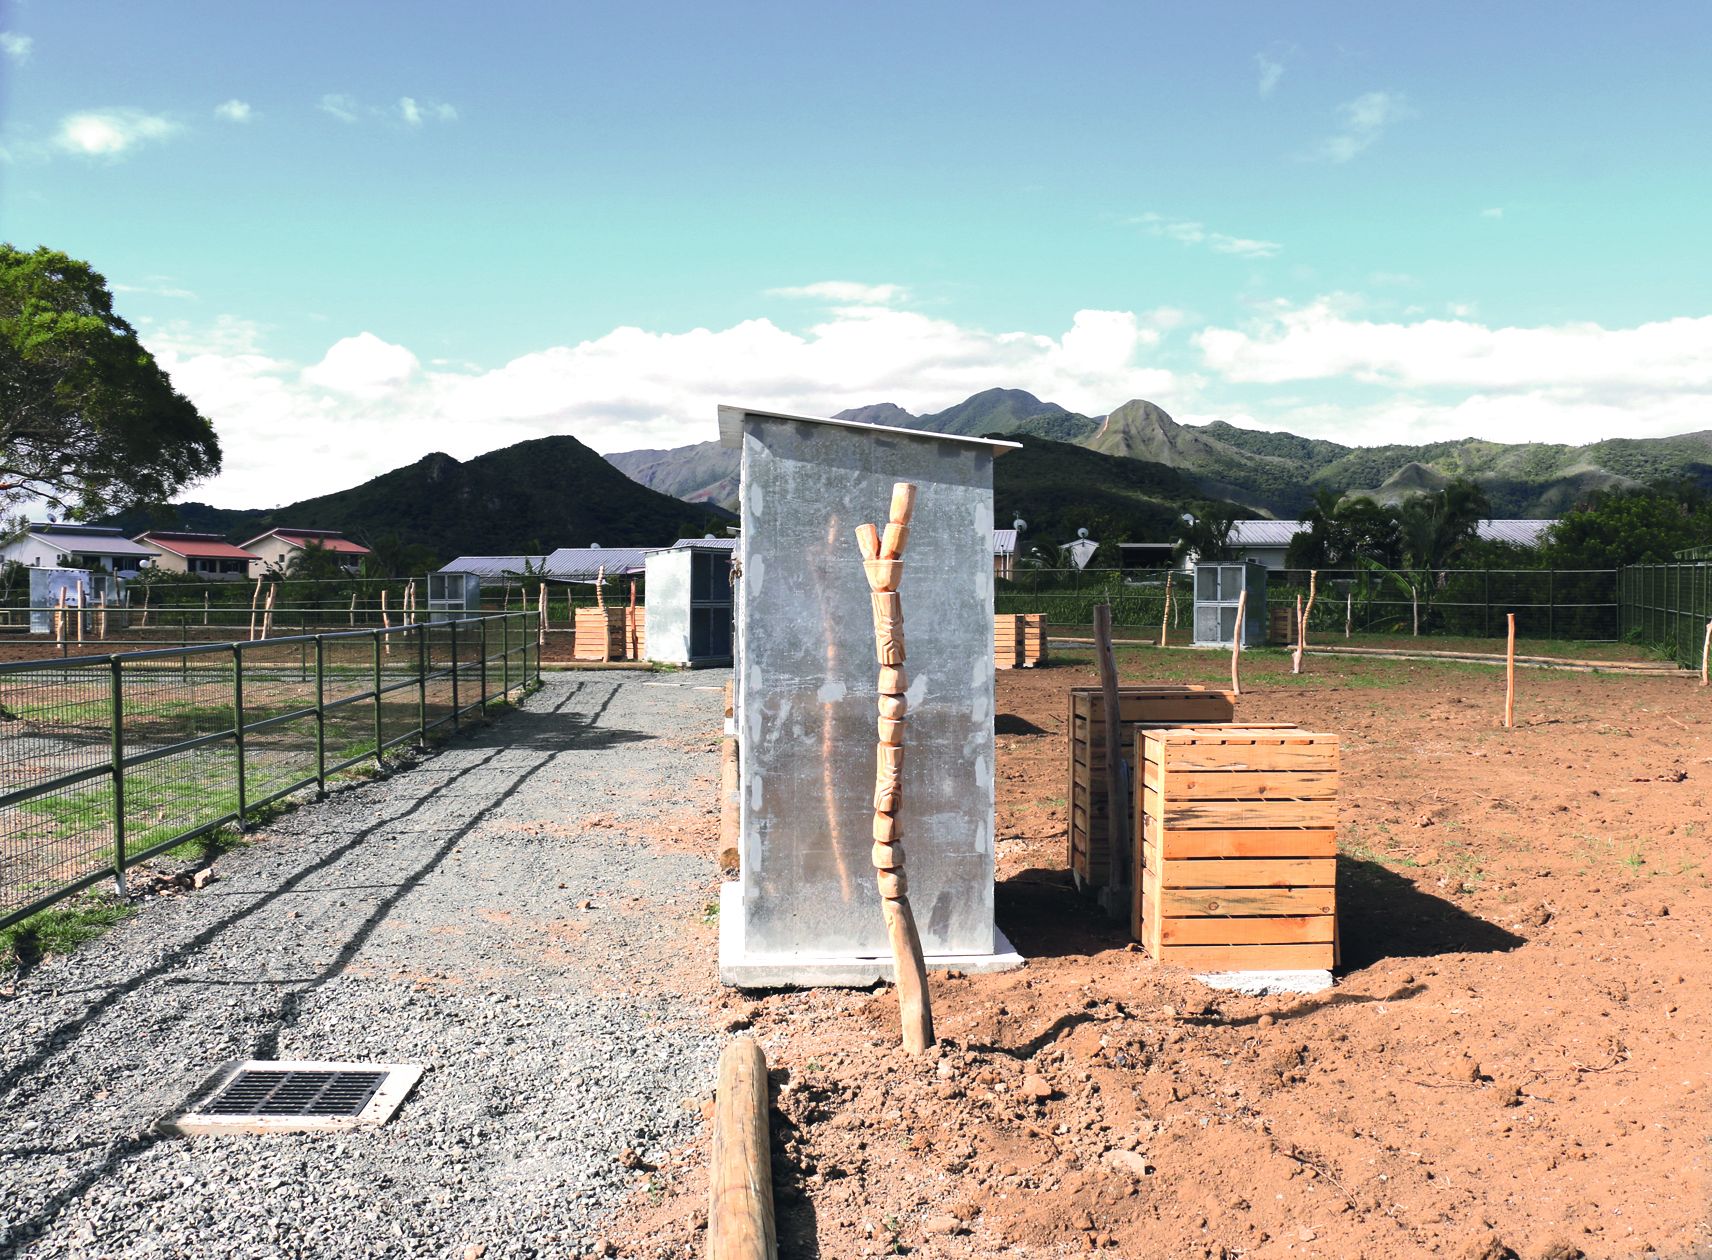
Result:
x=1515 y=1059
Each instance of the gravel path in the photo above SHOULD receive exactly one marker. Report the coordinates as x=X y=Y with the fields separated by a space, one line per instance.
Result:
x=430 y=917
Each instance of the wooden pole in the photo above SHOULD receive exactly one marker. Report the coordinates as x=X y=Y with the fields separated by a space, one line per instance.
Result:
x=740 y=1183
x=205 y=608
x=1348 y=611
x=385 y=621
x=79 y=613
x=1296 y=656
x=1236 y=641
x=1116 y=811
x=541 y=616
x=600 y=588
x=882 y=561
x=254 y=598
x=1705 y=651
x=1510 y=673
x=101 y=615
x=267 y=612
x=144 y=624
x=1415 y=608
x=353 y=610
x=1165 y=611
x=59 y=618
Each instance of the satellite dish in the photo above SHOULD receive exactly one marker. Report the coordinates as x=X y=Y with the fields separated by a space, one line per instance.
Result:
x=1081 y=533
x=1188 y=518
x=1019 y=524
x=594 y=546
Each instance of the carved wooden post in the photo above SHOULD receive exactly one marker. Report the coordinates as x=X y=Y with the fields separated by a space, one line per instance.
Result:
x=1236 y=642
x=882 y=560
x=1165 y=611
x=255 y=598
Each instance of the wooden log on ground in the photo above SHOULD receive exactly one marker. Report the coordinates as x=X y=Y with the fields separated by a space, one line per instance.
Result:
x=740 y=1182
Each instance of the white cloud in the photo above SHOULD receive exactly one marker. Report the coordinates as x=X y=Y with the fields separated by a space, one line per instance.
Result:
x=340 y=106
x=368 y=405
x=16 y=47
x=108 y=133
x=1362 y=122
x=1190 y=232
x=410 y=111
x=445 y=112
x=1492 y=212
x=158 y=286
x=233 y=110
x=845 y=292
x=1321 y=341
x=1270 y=65
x=364 y=366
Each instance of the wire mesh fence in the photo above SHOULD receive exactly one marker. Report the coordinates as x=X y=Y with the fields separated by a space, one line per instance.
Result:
x=1669 y=605
x=107 y=760
x=1548 y=603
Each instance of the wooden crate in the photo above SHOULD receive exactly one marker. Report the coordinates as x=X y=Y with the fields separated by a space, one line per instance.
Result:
x=1281 y=623
x=1007 y=640
x=1085 y=730
x=1034 y=638
x=636 y=633
x=599 y=635
x=1236 y=832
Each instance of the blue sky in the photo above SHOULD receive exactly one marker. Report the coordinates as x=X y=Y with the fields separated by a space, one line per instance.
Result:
x=356 y=233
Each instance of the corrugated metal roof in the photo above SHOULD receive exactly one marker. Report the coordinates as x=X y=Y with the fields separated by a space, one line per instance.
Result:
x=492 y=566
x=1525 y=533
x=581 y=564
x=90 y=542
x=723 y=544
x=1004 y=542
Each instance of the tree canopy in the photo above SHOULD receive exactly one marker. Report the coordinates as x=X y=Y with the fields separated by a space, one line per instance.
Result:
x=88 y=420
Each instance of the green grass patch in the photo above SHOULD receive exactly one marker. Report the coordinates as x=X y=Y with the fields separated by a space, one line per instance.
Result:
x=60 y=929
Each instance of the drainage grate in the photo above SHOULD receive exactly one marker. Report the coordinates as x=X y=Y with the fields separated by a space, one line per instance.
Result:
x=259 y=1092
x=258 y=1096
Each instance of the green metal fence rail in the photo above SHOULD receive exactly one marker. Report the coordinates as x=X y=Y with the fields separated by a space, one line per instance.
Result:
x=1548 y=603
x=1668 y=605
x=107 y=760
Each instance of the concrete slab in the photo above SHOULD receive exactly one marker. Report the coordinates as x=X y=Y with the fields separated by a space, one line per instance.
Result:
x=743 y=970
x=1263 y=983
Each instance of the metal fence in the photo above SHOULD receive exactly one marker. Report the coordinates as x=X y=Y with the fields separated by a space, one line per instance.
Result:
x=1548 y=603
x=1668 y=605
x=106 y=760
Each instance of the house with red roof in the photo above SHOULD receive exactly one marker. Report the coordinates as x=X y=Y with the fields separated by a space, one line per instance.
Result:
x=275 y=548
x=200 y=555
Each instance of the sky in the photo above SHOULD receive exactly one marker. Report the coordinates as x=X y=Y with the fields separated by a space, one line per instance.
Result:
x=358 y=233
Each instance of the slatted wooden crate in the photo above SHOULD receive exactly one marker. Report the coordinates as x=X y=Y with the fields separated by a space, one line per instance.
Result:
x=1085 y=729
x=1237 y=845
x=1033 y=638
x=1019 y=640
x=1007 y=640
x=599 y=635
x=636 y=633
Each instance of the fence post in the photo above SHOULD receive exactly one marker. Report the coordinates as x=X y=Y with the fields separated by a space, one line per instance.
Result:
x=377 y=734
x=481 y=627
x=421 y=684
x=452 y=625
x=505 y=658
x=1551 y=603
x=320 y=717
x=238 y=728
x=118 y=776
x=1486 y=617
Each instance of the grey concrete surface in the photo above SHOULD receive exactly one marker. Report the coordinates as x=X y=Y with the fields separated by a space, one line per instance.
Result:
x=429 y=917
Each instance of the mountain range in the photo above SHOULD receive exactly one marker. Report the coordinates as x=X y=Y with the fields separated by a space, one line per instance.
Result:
x=522 y=499
x=1268 y=474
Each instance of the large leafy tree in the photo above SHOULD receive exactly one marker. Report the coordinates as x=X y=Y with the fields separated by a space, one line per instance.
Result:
x=88 y=420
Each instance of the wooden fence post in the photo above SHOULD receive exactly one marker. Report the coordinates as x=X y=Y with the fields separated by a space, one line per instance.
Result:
x=1510 y=672
x=1236 y=640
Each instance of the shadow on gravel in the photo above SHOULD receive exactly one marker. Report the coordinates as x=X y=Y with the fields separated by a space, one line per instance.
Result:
x=566 y=725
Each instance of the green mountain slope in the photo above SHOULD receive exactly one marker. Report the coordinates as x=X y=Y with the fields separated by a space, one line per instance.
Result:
x=537 y=495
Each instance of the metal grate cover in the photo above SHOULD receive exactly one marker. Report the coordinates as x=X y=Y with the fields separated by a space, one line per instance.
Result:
x=259 y=1096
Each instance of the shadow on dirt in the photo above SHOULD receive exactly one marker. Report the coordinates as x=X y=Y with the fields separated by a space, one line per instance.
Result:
x=1381 y=915
x=1011 y=724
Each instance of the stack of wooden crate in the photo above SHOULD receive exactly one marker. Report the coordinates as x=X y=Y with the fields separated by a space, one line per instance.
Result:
x=1019 y=640
x=1237 y=847
x=1007 y=640
x=599 y=635
x=1085 y=729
